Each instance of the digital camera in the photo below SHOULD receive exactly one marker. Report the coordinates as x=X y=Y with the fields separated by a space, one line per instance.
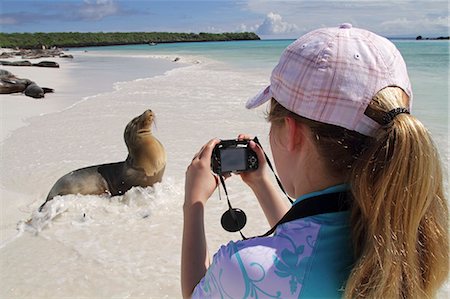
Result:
x=233 y=156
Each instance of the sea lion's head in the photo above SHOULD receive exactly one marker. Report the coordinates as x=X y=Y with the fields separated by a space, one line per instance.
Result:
x=137 y=129
x=144 y=150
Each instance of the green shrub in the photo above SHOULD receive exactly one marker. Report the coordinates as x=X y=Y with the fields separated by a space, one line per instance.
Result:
x=78 y=39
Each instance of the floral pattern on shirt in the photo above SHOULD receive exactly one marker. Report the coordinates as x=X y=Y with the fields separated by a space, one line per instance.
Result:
x=271 y=267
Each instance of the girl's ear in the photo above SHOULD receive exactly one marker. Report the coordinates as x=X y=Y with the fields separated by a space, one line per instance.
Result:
x=294 y=133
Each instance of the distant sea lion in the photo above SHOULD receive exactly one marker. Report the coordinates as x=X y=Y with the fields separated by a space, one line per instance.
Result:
x=34 y=91
x=143 y=167
x=11 y=84
x=47 y=64
x=16 y=63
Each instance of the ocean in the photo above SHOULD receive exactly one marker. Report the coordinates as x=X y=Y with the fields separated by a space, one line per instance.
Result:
x=427 y=61
x=129 y=246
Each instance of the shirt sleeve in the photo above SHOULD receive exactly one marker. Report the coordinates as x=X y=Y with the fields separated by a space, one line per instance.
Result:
x=224 y=276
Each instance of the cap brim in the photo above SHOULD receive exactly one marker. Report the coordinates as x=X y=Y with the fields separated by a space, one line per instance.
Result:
x=262 y=97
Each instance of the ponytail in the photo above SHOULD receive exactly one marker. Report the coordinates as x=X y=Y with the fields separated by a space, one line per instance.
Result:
x=400 y=215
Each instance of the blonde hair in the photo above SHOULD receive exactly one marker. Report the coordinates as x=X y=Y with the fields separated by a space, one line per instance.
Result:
x=399 y=215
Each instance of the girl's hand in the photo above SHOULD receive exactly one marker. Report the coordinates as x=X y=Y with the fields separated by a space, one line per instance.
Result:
x=200 y=181
x=252 y=178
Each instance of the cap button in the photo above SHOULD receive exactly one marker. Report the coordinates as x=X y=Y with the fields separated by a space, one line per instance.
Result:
x=345 y=26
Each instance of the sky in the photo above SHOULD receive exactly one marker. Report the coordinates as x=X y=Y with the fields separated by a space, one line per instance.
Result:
x=269 y=19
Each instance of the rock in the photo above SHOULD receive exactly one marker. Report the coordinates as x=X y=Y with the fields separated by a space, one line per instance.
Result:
x=16 y=63
x=7 y=55
x=5 y=73
x=28 y=63
x=34 y=91
x=39 y=53
x=46 y=64
x=176 y=59
x=66 y=56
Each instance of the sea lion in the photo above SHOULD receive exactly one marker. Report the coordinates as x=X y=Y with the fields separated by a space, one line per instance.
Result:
x=143 y=167
x=11 y=84
x=46 y=64
x=34 y=91
x=16 y=63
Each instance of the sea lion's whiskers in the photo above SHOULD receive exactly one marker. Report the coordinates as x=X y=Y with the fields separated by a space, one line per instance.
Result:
x=155 y=127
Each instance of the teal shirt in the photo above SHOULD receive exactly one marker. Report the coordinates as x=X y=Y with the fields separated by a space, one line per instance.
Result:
x=305 y=258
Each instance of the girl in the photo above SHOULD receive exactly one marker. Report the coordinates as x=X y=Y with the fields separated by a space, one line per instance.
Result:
x=341 y=127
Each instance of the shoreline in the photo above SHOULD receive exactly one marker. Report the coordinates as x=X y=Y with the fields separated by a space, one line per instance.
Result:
x=24 y=116
x=70 y=87
x=126 y=246
x=116 y=249
x=18 y=109
x=20 y=113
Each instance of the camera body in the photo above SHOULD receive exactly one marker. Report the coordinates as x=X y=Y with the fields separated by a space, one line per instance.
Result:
x=233 y=156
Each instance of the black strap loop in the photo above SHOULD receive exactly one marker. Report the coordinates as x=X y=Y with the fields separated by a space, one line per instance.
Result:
x=389 y=116
x=256 y=140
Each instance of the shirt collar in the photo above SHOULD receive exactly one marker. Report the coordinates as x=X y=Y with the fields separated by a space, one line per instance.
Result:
x=332 y=189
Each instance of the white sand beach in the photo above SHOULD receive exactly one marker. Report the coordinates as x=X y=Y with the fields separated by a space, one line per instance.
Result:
x=127 y=246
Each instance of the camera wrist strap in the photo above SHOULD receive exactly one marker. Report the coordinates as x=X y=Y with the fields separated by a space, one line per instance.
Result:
x=235 y=219
x=256 y=140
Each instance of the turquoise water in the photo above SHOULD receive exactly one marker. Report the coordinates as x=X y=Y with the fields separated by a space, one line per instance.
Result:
x=428 y=67
x=241 y=54
x=427 y=61
x=265 y=53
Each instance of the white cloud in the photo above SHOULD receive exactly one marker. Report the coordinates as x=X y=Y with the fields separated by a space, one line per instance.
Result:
x=273 y=24
x=212 y=29
x=388 y=18
x=97 y=10
x=8 y=20
x=433 y=25
x=247 y=28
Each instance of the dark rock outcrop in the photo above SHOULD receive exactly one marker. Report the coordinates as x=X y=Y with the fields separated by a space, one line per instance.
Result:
x=16 y=63
x=35 y=53
x=28 y=63
x=433 y=38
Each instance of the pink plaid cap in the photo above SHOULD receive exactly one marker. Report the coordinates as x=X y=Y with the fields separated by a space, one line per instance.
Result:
x=331 y=74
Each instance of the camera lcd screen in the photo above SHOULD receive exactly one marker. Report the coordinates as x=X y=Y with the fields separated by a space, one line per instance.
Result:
x=233 y=159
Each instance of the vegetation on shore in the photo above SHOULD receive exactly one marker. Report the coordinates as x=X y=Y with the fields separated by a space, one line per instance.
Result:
x=85 y=39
